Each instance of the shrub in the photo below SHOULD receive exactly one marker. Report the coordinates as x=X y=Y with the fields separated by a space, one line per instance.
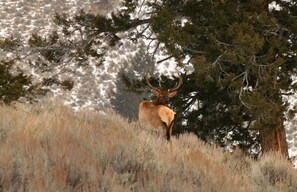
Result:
x=52 y=148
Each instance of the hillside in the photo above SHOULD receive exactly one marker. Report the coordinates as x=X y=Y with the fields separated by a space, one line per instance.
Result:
x=52 y=148
x=93 y=87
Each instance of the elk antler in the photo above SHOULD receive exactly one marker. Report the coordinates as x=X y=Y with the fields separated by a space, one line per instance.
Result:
x=149 y=84
x=178 y=85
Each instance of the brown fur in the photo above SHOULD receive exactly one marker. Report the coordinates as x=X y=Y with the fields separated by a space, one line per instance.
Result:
x=156 y=113
x=159 y=116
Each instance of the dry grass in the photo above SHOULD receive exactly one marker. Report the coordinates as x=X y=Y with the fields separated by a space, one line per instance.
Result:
x=54 y=149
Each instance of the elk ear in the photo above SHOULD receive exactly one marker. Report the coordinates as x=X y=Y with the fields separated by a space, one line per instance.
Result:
x=172 y=94
x=156 y=92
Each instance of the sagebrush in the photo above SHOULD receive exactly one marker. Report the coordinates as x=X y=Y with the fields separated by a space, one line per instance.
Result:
x=52 y=148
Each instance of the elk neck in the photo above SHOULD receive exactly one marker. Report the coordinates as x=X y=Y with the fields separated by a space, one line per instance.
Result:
x=160 y=101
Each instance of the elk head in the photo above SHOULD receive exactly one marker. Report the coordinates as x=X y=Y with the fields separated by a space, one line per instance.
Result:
x=157 y=113
x=163 y=95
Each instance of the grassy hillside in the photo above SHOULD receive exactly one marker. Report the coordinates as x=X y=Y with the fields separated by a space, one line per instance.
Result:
x=54 y=149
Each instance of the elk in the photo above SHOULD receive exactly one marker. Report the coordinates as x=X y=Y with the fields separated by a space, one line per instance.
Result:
x=157 y=113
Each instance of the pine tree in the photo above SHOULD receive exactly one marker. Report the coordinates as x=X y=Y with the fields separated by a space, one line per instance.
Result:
x=14 y=84
x=13 y=87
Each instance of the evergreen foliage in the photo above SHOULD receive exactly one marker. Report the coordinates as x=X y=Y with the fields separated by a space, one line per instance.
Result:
x=12 y=87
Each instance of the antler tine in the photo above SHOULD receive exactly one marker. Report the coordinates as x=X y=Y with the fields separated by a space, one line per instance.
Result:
x=148 y=83
x=178 y=85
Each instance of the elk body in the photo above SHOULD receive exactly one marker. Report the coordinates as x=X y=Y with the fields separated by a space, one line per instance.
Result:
x=157 y=113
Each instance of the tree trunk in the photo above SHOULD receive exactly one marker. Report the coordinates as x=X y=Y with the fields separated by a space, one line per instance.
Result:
x=274 y=139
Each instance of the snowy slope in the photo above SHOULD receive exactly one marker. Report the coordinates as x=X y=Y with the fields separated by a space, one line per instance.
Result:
x=93 y=86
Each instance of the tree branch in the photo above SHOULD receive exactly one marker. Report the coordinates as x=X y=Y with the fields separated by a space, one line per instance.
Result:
x=162 y=60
